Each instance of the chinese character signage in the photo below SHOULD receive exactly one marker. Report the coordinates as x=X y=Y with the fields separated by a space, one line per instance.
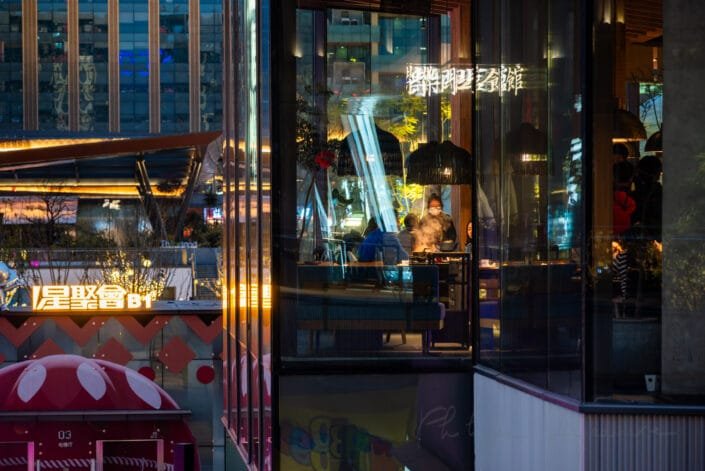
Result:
x=430 y=79
x=86 y=298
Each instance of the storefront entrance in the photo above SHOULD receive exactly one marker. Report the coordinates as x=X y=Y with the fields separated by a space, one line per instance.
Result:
x=17 y=456
x=129 y=455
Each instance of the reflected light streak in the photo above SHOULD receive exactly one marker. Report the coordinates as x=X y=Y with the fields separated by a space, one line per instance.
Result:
x=87 y=190
x=361 y=131
x=266 y=296
x=8 y=146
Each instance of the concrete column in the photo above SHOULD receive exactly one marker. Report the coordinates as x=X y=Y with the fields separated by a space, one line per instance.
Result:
x=683 y=322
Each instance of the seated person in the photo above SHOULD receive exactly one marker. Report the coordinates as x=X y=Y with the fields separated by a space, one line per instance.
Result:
x=407 y=237
x=468 y=241
x=437 y=227
x=380 y=245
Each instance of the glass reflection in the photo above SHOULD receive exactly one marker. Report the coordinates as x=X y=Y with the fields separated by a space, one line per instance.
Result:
x=363 y=283
x=11 y=65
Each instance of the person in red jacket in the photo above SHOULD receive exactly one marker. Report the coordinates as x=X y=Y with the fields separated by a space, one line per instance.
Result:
x=623 y=205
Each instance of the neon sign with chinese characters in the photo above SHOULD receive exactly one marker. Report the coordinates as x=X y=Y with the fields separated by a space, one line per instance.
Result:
x=86 y=298
x=432 y=79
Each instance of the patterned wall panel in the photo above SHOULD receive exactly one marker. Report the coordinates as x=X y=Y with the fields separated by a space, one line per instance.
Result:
x=179 y=353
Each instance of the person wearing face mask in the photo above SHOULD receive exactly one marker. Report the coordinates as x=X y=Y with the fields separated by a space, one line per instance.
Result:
x=437 y=228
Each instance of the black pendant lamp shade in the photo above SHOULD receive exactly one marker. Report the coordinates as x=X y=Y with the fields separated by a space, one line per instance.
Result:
x=388 y=145
x=529 y=148
x=627 y=127
x=654 y=143
x=439 y=164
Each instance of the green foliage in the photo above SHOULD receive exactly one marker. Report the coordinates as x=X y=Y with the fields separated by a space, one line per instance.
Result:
x=401 y=116
x=206 y=235
x=310 y=137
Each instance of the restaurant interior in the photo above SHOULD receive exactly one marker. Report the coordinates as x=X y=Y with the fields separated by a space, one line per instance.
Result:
x=423 y=176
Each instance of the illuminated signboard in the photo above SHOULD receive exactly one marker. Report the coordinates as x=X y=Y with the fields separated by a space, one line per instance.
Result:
x=432 y=79
x=86 y=297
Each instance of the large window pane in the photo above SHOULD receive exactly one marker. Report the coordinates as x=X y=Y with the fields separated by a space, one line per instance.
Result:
x=134 y=67
x=627 y=241
x=529 y=151
x=11 y=65
x=53 y=60
x=93 y=65
x=211 y=69
x=374 y=273
x=174 y=65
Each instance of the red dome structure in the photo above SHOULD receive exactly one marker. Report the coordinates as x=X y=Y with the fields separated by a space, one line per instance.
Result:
x=109 y=412
x=70 y=382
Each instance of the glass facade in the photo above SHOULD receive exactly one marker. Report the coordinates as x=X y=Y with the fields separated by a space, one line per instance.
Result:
x=93 y=64
x=53 y=65
x=248 y=243
x=360 y=284
x=564 y=268
x=11 y=65
x=50 y=107
x=629 y=253
x=211 y=88
x=134 y=66
x=174 y=65
x=529 y=145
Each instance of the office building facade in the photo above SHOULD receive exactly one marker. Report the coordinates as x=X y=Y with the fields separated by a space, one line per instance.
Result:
x=111 y=66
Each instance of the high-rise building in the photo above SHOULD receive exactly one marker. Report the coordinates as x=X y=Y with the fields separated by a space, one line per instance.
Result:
x=111 y=66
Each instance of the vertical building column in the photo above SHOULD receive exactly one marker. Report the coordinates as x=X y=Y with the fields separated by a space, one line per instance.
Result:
x=320 y=73
x=604 y=104
x=30 y=70
x=114 y=65
x=73 y=63
x=683 y=297
x=154 y=78
x=374 y=50
x=194 y=65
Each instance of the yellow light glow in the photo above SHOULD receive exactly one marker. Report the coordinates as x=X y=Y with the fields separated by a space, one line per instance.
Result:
x=86 y=298
x=616 y=140
x=86 y=190
x=534 y=157
x=8 y=146
x=266 y=296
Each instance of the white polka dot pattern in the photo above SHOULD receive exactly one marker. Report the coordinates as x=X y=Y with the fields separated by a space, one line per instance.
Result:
x=91 y=380
x=31 y=382
x=144 y=389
